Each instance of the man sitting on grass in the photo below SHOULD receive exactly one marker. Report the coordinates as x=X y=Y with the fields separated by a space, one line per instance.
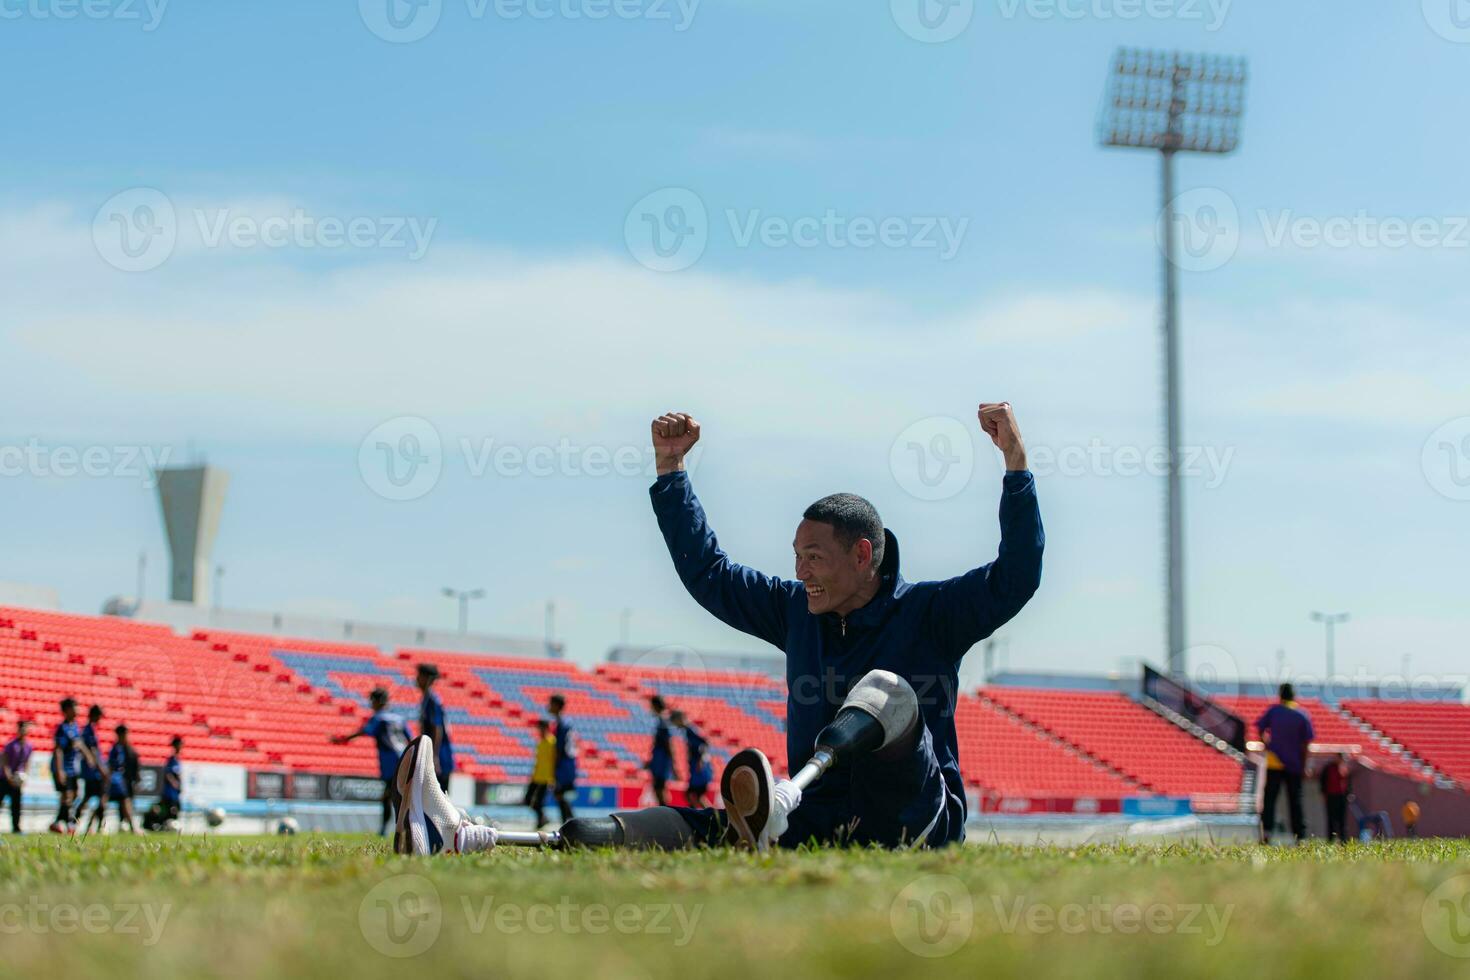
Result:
x=856 y=636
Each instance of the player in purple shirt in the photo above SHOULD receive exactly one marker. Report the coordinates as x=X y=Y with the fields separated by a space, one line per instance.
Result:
x=1287 y=732
x=13 y=760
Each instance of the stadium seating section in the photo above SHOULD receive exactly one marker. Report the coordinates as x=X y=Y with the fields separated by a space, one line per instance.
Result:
x=1126 y=738
x=272 y=703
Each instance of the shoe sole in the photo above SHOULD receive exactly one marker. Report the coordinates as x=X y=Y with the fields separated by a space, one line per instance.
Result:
x=745 y=787
x=403 y=786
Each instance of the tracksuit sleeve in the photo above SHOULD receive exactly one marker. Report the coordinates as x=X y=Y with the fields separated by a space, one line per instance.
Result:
x=970 y=607
x=741 y=597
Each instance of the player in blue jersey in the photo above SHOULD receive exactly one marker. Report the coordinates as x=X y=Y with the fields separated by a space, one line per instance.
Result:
x=660 y=763
x=171 y=795
x=94 y=767
x=389 y=733
x=66 y=756
x=122 y=783
x=565 y=787
x=432 y=723
x=701 y=770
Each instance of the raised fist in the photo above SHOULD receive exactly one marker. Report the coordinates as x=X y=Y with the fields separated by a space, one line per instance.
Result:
x=674 y=434
x=1000 y=425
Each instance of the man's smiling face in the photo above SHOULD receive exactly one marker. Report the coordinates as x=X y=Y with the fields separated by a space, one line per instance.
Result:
x=833 y=575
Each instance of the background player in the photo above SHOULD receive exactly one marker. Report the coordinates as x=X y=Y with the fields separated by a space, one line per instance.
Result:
x=94 y=767
x=566 y=756
x=433 y=723
x=661 y=755
x=701 y=771
x=65 y=762
x=389 y=733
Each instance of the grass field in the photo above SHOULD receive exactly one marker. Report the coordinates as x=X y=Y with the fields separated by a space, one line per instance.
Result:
x=340 y=907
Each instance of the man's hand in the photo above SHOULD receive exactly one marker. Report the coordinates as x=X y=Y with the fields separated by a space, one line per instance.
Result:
x=999 y=424
x=674 y=434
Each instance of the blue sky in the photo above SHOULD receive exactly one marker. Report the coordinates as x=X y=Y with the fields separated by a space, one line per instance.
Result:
x=1325 y=383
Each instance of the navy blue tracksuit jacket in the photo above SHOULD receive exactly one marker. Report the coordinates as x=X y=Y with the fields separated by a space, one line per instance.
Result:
x=918 y=630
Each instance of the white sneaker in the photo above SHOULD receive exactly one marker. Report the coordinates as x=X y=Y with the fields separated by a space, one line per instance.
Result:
x=427 y=823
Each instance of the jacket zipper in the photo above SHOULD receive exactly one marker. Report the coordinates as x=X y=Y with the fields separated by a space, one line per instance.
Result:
x=842 y=622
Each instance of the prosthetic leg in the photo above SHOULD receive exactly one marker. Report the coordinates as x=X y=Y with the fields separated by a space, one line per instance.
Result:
x=880 y=711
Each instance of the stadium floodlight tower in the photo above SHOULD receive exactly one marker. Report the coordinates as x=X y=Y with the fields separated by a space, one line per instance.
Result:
x=192 y=499
x=1173 y=103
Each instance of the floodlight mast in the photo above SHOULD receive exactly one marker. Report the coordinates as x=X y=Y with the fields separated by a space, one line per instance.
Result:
x=1174 y=103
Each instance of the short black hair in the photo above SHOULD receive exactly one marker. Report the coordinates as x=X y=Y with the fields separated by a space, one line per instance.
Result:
x=429 y=670
x=379 y=695
x=68 y=704
x=852 y=518
x=656 y=702
x=94 y=712
x=557 y=701
x=543 y=724
x=177 y=742
x=121 y=730
x=1287 y=692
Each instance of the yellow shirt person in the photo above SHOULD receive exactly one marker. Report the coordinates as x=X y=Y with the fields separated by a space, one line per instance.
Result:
x=544 y=771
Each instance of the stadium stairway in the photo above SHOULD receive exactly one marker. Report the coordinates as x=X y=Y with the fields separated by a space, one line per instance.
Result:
x=1434 y=733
